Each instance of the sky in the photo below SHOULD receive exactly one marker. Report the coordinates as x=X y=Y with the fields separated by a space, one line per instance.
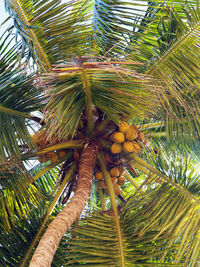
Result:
x=3 y=13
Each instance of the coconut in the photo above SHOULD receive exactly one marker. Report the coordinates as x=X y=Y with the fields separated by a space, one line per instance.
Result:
x=62 y=153
x=136 y=147
x=102 y=184
x=114 y=180
x=121 y=171
x=134 y=127
x=117 y=189
x=99 y=175
x=121 y=180
x=54 y=159
x=141 y=136
x=124 y=126
x=116 y=148
x=131 y=134
x=118 y=137
x=50 y=154
x=127 y=147
x=114 y=172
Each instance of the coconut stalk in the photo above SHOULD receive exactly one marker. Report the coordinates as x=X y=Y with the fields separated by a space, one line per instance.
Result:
x=48 y=244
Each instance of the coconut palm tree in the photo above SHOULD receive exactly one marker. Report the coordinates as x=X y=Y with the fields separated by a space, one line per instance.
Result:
x=94 y=81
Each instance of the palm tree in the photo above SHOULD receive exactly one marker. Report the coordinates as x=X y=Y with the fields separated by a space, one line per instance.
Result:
x=101 y=72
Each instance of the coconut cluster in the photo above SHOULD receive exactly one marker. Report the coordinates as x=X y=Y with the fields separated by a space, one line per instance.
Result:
x=127 y=139
x=40 y=142
x=116 y=174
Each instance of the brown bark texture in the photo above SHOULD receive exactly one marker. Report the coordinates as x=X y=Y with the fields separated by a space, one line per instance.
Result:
x=48 y=244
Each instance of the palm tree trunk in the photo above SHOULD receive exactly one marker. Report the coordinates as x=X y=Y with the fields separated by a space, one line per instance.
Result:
x=48 y=244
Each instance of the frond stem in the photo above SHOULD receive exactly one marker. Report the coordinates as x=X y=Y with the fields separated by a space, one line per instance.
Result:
x=151 y=125
x=86 y=85
x=69 y=144
x=103 y=204
x=14 y=112
x=103 y=124
x=114 y=205
x=133 y=182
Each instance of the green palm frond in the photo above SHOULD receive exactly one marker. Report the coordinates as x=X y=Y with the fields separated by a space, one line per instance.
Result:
x=46 y=181
x=87 y=243
x=177 y=69
x=114 y=23
x=18 y=98
x=51 y=28
x=170 y=205
x=15 y=198
x=95 y=242
x=183 y=171
x=15 y=244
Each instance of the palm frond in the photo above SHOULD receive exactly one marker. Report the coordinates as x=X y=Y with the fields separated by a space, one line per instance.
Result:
x=15 y=198
x=171 y=208
x=51 y=28
x=174 y=61
x=15 y=244
x=127 y=92
x=183 y=171
x=95 y=242
x=96 y=229
x=18 y=98
x=114 y=23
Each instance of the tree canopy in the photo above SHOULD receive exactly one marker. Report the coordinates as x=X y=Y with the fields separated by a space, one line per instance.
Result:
x=99 y=111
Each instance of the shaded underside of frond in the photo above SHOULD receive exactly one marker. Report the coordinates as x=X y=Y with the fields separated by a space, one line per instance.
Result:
x=95 y=242
x=14 y=244
x=16 y=199
x=171 y=56
x=171 y=206
x=18 y=98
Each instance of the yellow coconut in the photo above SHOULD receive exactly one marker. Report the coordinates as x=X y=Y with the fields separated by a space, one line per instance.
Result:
x=121 y=171
x=99 y=175
x=62 y=153
x=124 y=126
x=117 y=189
x=145 y=141
x=121 y=180
x=127 y=147
x=118 y=137
x=136 y=147
x=134 y=127
x=131 y=134
x=114 y=172
x=102 y=184
x=114 y=180
x=141 y=136
x=116 y=148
